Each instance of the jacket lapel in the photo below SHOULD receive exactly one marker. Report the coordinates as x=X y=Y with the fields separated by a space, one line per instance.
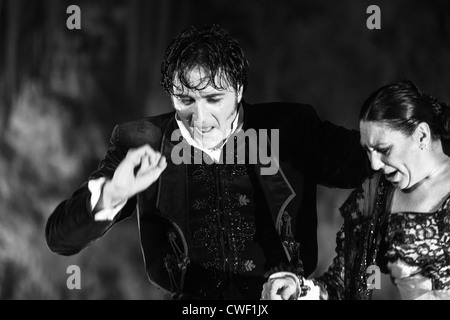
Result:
x=172 y=191
x=278 y=193
x=277 y=189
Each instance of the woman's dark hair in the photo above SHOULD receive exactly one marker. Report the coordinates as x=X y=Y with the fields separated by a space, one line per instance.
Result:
x=402 y=106
x=211 y=48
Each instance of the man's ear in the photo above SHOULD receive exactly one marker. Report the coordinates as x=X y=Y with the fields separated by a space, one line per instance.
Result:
x=422 y=134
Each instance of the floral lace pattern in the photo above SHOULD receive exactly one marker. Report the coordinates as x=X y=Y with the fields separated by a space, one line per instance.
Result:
x=372 y=236
x=422 y=240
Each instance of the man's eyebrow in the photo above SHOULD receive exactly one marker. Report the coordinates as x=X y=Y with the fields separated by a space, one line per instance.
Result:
x=213 y=95
x=210 y=95
x=181 y=95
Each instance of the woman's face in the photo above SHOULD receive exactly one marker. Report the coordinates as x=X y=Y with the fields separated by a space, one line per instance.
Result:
x=396 y=154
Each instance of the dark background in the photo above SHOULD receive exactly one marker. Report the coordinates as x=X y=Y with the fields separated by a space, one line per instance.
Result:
x=62 y=91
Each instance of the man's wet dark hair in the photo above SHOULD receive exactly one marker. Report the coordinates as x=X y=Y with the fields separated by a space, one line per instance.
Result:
x=211 y=48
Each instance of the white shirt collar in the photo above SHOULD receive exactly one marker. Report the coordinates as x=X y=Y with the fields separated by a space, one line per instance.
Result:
x=216 y=152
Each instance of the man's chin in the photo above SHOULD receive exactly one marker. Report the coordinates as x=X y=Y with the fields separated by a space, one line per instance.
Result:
x=210 y=144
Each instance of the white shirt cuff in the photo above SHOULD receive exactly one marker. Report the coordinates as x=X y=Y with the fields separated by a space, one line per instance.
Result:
x=95 y=187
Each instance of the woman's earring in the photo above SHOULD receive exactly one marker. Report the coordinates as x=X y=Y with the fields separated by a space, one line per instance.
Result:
x=422 y=146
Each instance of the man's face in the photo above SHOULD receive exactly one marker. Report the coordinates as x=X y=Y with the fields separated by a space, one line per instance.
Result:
x=208 y=113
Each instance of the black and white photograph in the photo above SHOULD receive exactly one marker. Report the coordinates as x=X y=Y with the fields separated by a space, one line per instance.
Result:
x=213 y=151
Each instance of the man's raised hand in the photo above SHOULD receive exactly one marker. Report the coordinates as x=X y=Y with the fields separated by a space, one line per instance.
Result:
x=137 y=171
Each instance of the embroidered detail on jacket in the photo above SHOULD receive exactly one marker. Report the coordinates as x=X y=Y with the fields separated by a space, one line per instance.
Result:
x=249 y=265
x=236 y=231
x=243 y=199
x=199 y=204
x=286 y=225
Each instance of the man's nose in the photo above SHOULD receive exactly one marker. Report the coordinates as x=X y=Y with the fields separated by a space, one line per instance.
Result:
x=375 y=161
x=198 y=113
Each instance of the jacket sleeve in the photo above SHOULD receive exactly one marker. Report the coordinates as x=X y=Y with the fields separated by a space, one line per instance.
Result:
x=330 y=154
x=71 y=227
x=340 y=159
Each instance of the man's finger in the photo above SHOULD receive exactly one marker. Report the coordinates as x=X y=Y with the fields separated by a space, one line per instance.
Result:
x=276 y=287
x=154 y=159
x=157 y=164
x=288 y=291
x=265 y=291
x=135 y=155
x=145 y=164
x=150 y=175
x=162 y=163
